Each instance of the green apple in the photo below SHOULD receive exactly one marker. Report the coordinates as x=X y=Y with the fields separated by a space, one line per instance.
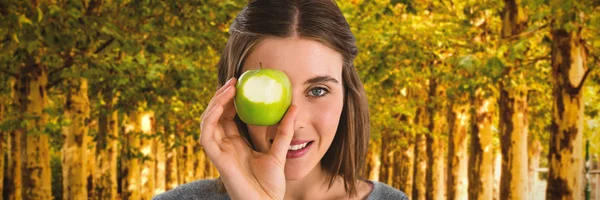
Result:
x=263 y=96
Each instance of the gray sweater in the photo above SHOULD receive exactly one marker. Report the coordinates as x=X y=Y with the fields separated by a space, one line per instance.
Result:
x=207 y=189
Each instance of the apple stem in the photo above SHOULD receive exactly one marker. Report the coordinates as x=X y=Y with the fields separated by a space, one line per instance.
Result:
x=260 y=64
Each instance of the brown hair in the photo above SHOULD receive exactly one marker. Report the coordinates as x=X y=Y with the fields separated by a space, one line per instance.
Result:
x=319 y=20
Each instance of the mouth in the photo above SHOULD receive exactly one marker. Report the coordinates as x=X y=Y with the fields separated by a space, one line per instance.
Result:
x=298 y=148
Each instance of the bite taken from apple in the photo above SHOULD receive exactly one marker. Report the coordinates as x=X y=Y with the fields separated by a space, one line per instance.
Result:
x=263 y=96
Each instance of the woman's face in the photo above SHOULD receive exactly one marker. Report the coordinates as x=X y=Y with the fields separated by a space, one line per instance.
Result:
x=315 y=72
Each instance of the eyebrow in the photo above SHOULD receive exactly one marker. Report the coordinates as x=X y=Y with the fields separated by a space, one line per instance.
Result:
x=320 y=79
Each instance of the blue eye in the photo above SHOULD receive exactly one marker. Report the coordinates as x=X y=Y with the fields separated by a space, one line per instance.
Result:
x=317 y=92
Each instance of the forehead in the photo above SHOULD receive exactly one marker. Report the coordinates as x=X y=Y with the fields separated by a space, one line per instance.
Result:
x=297 y=57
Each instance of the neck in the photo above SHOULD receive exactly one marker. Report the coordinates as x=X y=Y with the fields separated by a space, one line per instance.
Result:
x=314 y=186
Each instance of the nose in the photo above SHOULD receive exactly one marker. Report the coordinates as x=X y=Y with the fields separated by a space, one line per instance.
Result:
x=303 y=114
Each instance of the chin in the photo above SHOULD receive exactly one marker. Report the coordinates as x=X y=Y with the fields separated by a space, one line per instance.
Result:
x=296 y=172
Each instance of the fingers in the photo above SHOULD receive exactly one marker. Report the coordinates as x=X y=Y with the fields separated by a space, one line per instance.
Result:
x=209 y=137
x=211 y=133
x=230 y=82
x=285 y=133
x=221 y=99
x=227 y=102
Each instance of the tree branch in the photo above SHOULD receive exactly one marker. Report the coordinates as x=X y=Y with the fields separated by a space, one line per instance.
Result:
x=69 y=59
x=103 y=46
x=68 y=63
x=54 y=83
x=591 y=52
x=6 y=71
x=534 y=60
x=583 y=79
x=523 y=34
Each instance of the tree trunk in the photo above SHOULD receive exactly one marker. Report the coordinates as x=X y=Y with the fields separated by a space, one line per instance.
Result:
x=497 y=173
x=31 y=89
x=161 y=160
x=172 y=165
x=435 y=145
x=513 y=113
x=480 y=157
x=405 y=160
x=131 y=185
x=420 y=163
x=106 y=149
x=373 y=161
x=565 y=158
x=513 y=142
x=396 y=169
x=181 y=153
x=535 y=149
x=148 y=150
x=14 y=163
x=91 y=167
x=14 y=175
x=436 y=184
x=3 y=137
x=457 y=182
x=190 y=159
x=386 y=164
x=74 y=151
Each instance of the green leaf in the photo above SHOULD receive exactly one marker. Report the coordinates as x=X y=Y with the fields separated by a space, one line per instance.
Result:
x=468 y=63
x=494 y=68
x=40 y=14
x=569 y=27
x=24 y=20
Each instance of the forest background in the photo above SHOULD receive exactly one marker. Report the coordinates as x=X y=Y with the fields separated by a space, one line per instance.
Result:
x=469 y=99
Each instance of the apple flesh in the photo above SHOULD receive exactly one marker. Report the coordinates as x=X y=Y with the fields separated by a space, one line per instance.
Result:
x=263 y=96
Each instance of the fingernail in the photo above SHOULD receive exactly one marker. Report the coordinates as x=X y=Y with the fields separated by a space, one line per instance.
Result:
x=229 y=81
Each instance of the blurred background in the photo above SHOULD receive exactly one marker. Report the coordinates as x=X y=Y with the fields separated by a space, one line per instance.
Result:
x=486 y=99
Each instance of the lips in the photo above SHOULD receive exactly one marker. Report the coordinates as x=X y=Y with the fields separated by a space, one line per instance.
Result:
x=299 y=152
x=298 y=148
x=295 y=142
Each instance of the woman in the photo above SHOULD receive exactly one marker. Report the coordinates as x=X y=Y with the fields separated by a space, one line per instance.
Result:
x=318 y=149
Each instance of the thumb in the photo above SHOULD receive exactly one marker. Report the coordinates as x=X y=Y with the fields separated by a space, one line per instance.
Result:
x=285 y=133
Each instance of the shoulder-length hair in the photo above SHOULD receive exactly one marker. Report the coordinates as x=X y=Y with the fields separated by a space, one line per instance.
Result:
x=322 y=21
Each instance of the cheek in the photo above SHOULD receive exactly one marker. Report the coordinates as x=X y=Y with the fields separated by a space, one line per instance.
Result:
x=326 y=117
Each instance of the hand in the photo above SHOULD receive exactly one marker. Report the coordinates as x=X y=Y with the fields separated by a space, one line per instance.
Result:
x=246 y=174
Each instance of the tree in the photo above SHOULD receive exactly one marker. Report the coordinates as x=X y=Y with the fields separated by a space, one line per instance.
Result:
x=435 y=142
x=130 y=167
x=569 y=72
x=480 y=159
x=433 y=72
x=457 y=182
x=14 y=186
x=74 y=152
x=513 y=110
x=483 y=98
x=106 y=147
x=3 y=136
x=32 y=95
